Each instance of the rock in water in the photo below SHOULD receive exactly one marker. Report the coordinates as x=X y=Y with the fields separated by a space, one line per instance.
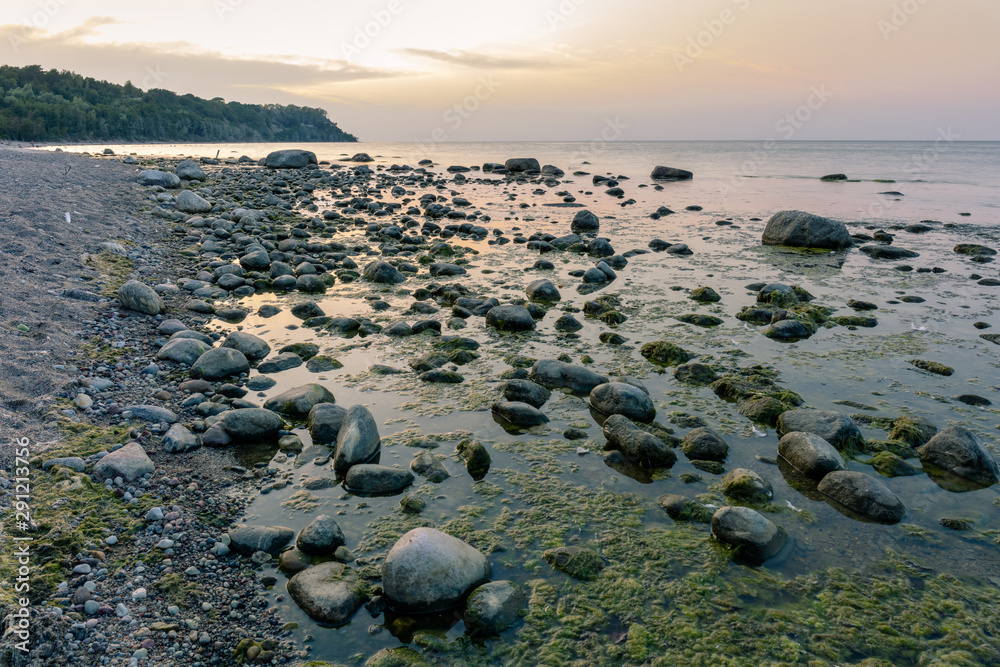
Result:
x=746 y=486
x=585 y=222
x=810 y=454
x=322 y=536
x=805 y=230
x=752 y=534
x=510 y=318
x=299 y=401
x=427 y=570
x=358 y=440
x=619 y=398
x=140 y=298
x=957 y=450
x=189 y=202
x=246 y=540
x=553 y=374
x=863 y=494
x=130 y=463
x=704 y=444
x=329 y=592
x=521 y=415
x=383 y=272
x=494 y=607
x=523 y=164
x=219 y=363
x=837 y=429
x=377 y=479
x=251 y=424
x=324 y=421
x=645 y=448
x=578 y=562
x=252 y=347
x=543 y=291
x=292 y=158
x=671 y=174
x=525 y=391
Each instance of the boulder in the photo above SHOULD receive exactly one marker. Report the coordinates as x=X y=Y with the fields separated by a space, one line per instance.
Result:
x=670 y=174
x=281 y=362
x=129 y=462
x=510 y=318
x=553 y=374
x=246 y=540
x=863 y=494
x=749 y=532
x=704 y=444
x=358 y=440
x=179 y=439
x=219 y=363
x=256 y=260
x=427 y=465
x=805 y=230
x=427 y=570
x=522 y=164
x=298 y=402
x=836 y=428
x=324 y=422
x=154 y=177
x=517 y=414
x=957 y=450
x=251 y=424
x=252 y=347
x=619 y=398
x=645 y=448
x=585 y=222
x=381 y=271
x=190 y=170
x=151 y=413
x=321 y=537
x=291 y=158
x=328 y=593
x=494 y=607
x=810 y=454
x=525 y=391
x=680 y=508
x=543 y=291
x=183 y=350
x=189 y=202
x=140 y=298
x=746 y=486
x=370 y=478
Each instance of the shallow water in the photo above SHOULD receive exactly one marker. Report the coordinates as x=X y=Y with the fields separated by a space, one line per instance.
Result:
x=531 y=499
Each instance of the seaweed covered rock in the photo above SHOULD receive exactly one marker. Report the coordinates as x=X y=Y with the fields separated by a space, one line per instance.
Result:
x=578 y=562
x=750 y=533
x=665 y=353
x=427 y=570
x=864 y=495
x=746 y=486
x=639 y=445
x=140 y=297
x=494 y=607
x=680 y=508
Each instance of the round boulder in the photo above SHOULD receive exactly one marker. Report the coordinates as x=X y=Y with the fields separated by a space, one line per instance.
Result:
x=805 y=230
x=510 y=318
x=619 y=398
x=494 y=607
x=864 y=495
x=754 y=536
x=329 y=592
x=219 y=363
x=810 y=454
x=322 y=536
x=140 y=298
x=957 y=450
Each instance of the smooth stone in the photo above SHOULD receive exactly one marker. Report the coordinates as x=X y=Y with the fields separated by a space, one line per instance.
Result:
x=324 y=421
x=510 y=318
x=957 y=450
x=494 y=607
x=810 y=454
x=322 y=536
x=753 y=535
x=183 y=350
x=427 y=570
x=645 y=448
x=620 y=398
x=553 y=374
x=836 y=428
x=246 y=540
x=252 y=347
x=140 y=298
x=179 y=439
x=219 y=363
x=518 y=414
x=130 y=462
x=358 y=440
x=863 y=494
x=704 y=444
x=746 y=486
x=377 y=479
x=805 y=230
x=298 y=402
x=525 y=391
x=329 y=592
x=250 y=424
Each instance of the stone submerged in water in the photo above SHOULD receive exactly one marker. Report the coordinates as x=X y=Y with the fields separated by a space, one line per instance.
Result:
x=553 y=374
x=864 y=495
x=619 y=398
x=645 y=448
x=805 y=230
x=750 y=533
x=358 y=440
x=290 y=158
x=246 y=540
x=322 y=536
x=510 y=318
x=746 y=486
x=494 y=607
x=578 y=562
x=671 y=174
x=427 y=570
x=324 y=422
x=299 y=401
x=329 y=592
x=369 y=478
x=129 y=462
x=140 y=297
x=957 y=450
x=836 y=428
x=680 y=508
x=525 y=391
x=219 y=363
x=810 y=454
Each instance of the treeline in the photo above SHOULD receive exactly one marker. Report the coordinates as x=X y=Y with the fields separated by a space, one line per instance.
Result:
x=39 y=105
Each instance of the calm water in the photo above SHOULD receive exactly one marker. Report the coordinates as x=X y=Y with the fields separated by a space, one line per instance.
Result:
x=735 y=182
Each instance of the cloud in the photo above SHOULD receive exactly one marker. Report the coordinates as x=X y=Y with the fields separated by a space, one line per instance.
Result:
x=481 y=61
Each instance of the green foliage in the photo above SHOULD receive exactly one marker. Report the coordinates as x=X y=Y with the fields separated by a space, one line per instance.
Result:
x=36 y=105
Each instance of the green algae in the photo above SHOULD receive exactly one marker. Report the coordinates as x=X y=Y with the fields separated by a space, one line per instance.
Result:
x=665 y=353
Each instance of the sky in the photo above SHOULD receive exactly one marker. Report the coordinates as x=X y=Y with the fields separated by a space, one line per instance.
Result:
x=559 y=70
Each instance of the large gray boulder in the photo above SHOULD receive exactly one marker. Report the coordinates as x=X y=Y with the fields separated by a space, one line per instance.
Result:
x=554 y=374
x=376 y=479
x=329 y=592
x=585 y=222
x=251 y=424
x=322 y=536
x=324 y=422
x=543 y=290
x=246 y=540
x=863 y=494
x=153 y=177
x=748 y=531
x=129 y=462
x=358 y=440
x=290 y=158
x=140 y=298
x=957 y=450
x=521 y=415
x=190 y=170
x=805 y=230
x=619 y=398
x=183 y=350
x=525 y=391
x=427 y=570
x=219 y=363
x=381 y=271
x=256 y=260
x=519 y=164
x=836 y=428
x=810 y=454
x=510 y=318
x=494 y=607
x=645 y=448
x=704 y=444
x=671 y=174
x=252 y=347
x=300 y=400
x=189 y=202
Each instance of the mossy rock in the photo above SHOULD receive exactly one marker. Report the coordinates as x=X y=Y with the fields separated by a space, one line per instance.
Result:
x=323 y=363
x=401 y=656
x=684 y=509
x=747 y=486
x=611 y=338
x=612 y=317
x=665 y=354
x=932 y=367
x=912 y=430
x=705 y=295
x=761 y=409
x=892 y=465
x=578 y=562
x=855 y=321
x=711 y=467
x=699 y=320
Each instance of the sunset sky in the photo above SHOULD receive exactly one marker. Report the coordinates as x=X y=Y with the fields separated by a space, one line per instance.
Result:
x=401 y=70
